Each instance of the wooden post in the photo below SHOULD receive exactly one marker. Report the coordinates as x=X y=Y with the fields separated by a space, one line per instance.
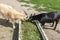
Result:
x=20 y=32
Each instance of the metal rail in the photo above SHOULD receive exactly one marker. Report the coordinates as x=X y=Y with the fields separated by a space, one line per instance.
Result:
x=41 y=30
x=20 y=32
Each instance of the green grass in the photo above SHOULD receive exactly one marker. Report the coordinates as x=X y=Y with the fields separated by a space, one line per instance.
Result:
x=51 y=5
x=30 y=32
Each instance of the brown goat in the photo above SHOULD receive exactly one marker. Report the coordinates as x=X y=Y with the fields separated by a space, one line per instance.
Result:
x=11 y=14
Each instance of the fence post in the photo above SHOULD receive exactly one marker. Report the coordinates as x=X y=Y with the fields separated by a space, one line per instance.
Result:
x=20 y=31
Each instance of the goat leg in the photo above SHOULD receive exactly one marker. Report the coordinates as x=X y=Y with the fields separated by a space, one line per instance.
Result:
x=13 y=25
x=56 y=24
x=7 y=19
x=52 y=24
x=42 y=24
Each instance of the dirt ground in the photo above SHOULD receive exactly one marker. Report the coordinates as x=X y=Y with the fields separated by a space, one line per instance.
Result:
x=6 y=30
x=53 y=34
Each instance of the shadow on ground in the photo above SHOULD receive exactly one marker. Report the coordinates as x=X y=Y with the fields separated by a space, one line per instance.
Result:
x=48 y=27
x=6 y=23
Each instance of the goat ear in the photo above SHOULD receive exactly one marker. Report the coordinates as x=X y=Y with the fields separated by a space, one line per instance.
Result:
x=34 y=14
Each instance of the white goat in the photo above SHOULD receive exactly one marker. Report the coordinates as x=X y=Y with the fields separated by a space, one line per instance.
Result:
x=11 y=14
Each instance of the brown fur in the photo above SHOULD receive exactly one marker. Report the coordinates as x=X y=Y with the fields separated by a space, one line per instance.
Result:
x=11 y=14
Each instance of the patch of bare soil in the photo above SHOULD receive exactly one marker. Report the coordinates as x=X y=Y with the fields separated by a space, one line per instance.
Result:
x=6 y=33
x=52 y=34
